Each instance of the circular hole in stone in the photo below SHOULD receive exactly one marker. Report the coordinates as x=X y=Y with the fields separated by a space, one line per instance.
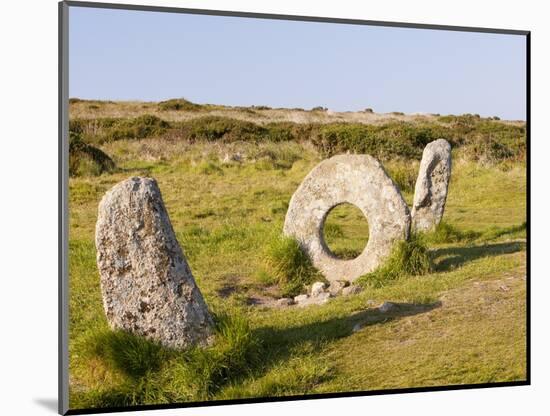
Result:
x=346 y=231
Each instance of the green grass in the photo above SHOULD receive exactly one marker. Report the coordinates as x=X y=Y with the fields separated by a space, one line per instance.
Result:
x=286 y=264
x=87 y=160
x=453 y=323
x=346 y=231
x=408 y=258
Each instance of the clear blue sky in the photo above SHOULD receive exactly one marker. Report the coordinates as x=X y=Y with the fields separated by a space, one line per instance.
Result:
x=132 y=55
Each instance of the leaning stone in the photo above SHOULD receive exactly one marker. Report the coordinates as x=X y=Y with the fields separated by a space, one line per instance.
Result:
x=432 y=184
x=317 y=288
x=147 y=286
x=359 y=180
x=335 y=288
x=351 y=290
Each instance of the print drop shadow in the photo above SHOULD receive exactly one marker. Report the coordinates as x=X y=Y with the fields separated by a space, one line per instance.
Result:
x=446 y=259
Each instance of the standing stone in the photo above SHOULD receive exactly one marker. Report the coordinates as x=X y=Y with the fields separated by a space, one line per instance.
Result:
x=355 y=179
x=430 y=192
x=147 y=285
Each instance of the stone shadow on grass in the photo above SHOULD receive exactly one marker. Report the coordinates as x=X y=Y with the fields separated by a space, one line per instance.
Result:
x=279 y=343
x=446 y=259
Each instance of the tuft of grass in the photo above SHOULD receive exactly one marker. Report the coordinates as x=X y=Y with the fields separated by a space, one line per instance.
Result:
x=288 y=265
x=155 y=374
x=132 y=355
x=408 y=258
x=203 y=371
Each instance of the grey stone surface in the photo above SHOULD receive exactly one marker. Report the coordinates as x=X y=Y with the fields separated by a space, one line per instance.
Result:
x=432 y=184
x=359 y=180
x=317 y=288
x=147 y=285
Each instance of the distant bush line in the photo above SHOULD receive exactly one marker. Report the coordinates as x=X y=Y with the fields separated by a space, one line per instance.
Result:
x=481 y=139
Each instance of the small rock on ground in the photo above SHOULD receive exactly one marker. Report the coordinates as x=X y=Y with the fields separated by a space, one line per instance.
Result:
x=386 y=307
x=337 y=286
x=320 y=299
x=300 y=298
x=357 y=327
x=317 y=288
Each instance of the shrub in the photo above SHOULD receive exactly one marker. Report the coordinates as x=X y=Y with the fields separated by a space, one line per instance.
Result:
x=102 y=130
x=404 y=174
x=408 y=258
x=288 y=265
x=388 y=141
x=87 y=160
x=137 y=128
x=214 y=128
x=178 y=104
x=484 y=140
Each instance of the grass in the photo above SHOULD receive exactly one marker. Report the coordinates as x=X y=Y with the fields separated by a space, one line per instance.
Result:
x=408 y=258
x=87 y=160
x=453 y=323
x=150 y=373
x=286 y=264
x=346 y=231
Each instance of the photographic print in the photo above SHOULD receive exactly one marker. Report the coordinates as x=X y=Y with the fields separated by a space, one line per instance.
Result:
x=264 y=208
